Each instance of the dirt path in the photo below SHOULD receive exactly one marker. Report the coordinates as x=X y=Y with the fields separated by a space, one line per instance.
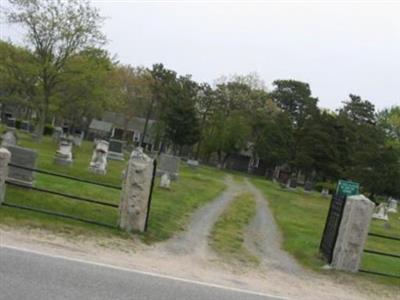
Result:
x=263 y=238
x=194 y=240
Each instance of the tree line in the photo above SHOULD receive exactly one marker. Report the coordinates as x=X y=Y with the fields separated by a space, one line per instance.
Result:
x=65 y=73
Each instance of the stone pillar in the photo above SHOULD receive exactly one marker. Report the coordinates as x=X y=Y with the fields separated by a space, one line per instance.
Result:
x=136 y=191
x=5 y=157
x=353 y=233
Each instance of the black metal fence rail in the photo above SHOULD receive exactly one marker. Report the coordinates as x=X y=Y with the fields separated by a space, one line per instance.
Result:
x=374 y=252
x=381 y=253
x=73 y=197
x=57 y=214
x=384 y=236
x=65 y=176
x=379 y=273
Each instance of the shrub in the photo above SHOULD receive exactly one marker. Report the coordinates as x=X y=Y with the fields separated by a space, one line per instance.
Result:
x=48 y=129
x=326 y=185
x=18 y=124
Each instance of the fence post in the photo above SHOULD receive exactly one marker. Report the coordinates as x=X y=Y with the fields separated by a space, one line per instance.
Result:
x=136 y=189
x=5 y=157
x=353 y=233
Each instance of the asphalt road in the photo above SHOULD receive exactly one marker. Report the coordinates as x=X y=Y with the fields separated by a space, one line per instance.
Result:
x=26 y=275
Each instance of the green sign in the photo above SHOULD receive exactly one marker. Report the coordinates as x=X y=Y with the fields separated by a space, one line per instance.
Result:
x=348 y=188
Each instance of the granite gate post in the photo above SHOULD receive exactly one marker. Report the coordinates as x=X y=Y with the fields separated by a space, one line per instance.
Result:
x=353 y=233
x=136 y=190
x=5 y=157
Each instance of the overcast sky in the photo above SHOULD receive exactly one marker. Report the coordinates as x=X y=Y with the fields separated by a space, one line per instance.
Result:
x=338 y=47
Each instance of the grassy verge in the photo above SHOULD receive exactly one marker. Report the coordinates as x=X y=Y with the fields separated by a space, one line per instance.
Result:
x=227 y=236
x=169 y=212
x=301 y=217
x=172 y=208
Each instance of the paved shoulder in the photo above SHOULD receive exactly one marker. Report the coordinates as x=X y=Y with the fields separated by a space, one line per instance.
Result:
x=25 y=275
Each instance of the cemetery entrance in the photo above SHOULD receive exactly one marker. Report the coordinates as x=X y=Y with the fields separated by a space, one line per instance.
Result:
x=99 y=209
x=380 y=255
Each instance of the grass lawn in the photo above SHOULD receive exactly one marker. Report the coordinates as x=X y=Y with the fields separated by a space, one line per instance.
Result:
x=301 y=217
x=169 y=212
x=227 y=236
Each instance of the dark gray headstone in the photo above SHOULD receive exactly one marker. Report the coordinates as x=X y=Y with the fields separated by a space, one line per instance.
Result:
x=115 y=146
x=308 y=186
x=25 y=126
x=7 y=116
x=22 y=157
x=11 y=122
x=293 y=183
x=115 y=150
x=168 y=164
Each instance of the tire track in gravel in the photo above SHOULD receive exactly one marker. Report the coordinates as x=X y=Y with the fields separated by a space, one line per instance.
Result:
x=263 y=238
x=194 y=240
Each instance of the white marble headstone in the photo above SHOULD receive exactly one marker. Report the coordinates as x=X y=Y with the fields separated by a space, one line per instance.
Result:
x=381 y=212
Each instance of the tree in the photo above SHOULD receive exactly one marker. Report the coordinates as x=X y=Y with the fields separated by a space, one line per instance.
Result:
x=295 y=98
x=319 y=147
x=164 y=87
x=228 y=130
x=389 y=120
x=180 y=118
x=377 y=168
x=358 y=110
x=226 y=135
x=206 y=106
x=18 y=77
x=85 y=90
x=56 y=30
x=273 y=138
x=132 y=92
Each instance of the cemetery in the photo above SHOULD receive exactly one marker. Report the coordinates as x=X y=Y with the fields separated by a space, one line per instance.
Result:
x=89 y=166
x=243 y=178
x=302 y=235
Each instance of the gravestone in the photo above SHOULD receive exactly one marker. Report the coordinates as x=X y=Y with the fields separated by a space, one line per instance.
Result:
x=283 y=178
x=136 y=192
x=11 y=123
x=5 y=157
x=25 y=126
x=115 y=150
x=7 y=115
x=165 y=182
x=78 y=138
x=98 y=163
x=192 y=163
x=308 y=186
x=168 y=164
x=392 y=205
x=325 y=192
x=293 y=183
x=22 y=157
x=9 y=139
x=58 y=134
x=381 y=212
x=64 y=153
